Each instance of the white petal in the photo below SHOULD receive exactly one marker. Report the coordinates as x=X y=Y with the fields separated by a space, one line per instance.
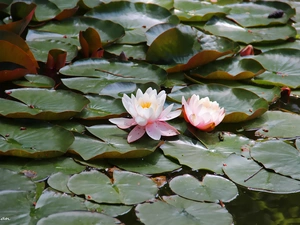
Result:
x=136 y=133
x=166 y=129
x=153 y=131
x=128 y=105
x=168 y=115
x=123 y=123
x=141 y=120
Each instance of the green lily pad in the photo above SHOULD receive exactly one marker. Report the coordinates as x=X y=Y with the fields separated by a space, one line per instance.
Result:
x=285 y=158
x=253 y=14
x=70 y=28
x=155 y=163
x=40 y=103
x=58 y=181
x=229 y=69
x=186 y=47
x=76 y=218
x=282 y=66
x=137 y=52
x=198 y=11
x=178 y=211
x=212 y=188
x=34 y=80
x=102 y=107
x=226 y=28
x=40 y=49
x=111 y=210
x=248 y=173
x=249 y=104
x=29 y=139
x=275 y=124
x=96 y=74
x=126 y=187
x=136 y=18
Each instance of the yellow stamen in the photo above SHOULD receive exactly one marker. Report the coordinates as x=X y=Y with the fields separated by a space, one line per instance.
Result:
x=146 y=104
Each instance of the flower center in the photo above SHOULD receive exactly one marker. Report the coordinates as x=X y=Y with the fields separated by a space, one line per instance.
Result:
x=145 y=104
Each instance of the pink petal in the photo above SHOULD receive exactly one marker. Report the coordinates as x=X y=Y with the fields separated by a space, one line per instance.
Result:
x=153 y=131
x=136 y=133
x=166 y=129
x=168 y=115
x=123 y=123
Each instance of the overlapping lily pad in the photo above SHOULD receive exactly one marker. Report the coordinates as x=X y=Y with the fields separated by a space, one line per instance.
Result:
x=34 y=80
x=40 y=103
x=126 y=187
x=180 y=211
x=249 y=104
x=248 y=173
x=31 y=139
x=93 y=75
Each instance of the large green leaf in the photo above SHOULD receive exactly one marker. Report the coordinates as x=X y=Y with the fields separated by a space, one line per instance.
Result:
x=136 y=18
x=198 y=11
x=248 y=173
x=96 y=74
x=186 y=47
x=229 y=69
x=42 y=104
x=30 y=139
x=253 y=14
x=212 y=188
x=155 y=163
x=282 y=67
x=125 y=187
x=284 y=158
x=275 y=124
x=34 y=80
x=226 y=28
x=14 y=181
x=108 y=30
x=177 y=211
x=249 y=104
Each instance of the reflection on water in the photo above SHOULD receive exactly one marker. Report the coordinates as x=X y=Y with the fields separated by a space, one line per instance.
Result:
x=257 y=208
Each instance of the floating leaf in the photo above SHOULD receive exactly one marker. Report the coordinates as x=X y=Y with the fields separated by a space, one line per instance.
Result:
x=42 y=104
x=33 y=80
x=250 y=105
x=212 y=188
x=111 y=210
x=58 y=181
x=285 y=158
x=282 y=65
x=29 y=139
x=155 y=163
x=96 y=74
x=248 y=173
x=226 y=28
x=126 y=187
x=178 y=211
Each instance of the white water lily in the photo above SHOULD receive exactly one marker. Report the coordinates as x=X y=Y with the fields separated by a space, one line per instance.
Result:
x=202 y=113
x=148 y=115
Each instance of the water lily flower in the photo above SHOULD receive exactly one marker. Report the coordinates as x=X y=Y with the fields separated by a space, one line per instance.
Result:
x=202 y=113
x=148 y=115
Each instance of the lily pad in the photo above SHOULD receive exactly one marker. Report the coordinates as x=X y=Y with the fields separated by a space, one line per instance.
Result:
x=34 y=80
x=178 y=211
x=155 y=163
x=248 y=173
x=58 y=181
x=250 y=105
x=96 y=74
x=285 y=158
x=212 y=188
x=136 y=18
x=111 y=210
x=275 y=124
x=229 y=69
x=226 y=28
x=282 y=67
x=126 y=187
x=29 y=139
x=40 y=103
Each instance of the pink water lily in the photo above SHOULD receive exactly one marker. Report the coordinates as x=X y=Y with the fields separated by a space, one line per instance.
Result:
x=148 y=115
x=202 y=113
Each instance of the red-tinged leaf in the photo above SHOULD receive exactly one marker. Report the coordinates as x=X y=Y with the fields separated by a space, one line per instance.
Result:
x=18 y=41
x=56 y=59
x=19 y=26
x=14 y=54
x=66 y=13
x=90 y=42
x=6 y=75
x=248 y=50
